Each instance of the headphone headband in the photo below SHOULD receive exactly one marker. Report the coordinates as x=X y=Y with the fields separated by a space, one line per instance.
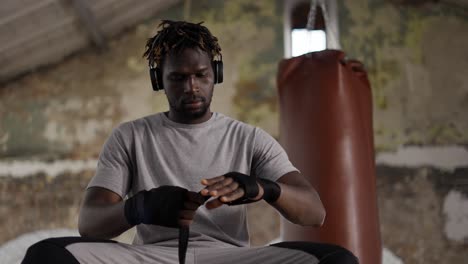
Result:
x=156 y=74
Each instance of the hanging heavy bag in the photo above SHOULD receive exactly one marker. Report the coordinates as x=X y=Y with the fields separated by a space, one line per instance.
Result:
x=326 y=129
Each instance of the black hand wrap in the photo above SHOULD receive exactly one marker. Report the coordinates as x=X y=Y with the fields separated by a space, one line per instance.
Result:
x=158 y=206
x=249 y=183
x=271 y=190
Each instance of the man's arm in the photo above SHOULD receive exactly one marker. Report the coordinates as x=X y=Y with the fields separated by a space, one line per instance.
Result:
x=298 y=201
x=102 y=214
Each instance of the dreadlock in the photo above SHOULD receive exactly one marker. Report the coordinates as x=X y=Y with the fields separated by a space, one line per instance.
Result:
x=175 y=36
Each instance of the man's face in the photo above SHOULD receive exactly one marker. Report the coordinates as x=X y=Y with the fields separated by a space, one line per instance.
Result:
x=188 y=81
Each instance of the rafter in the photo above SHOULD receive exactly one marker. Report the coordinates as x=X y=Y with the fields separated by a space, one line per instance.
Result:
x=89 y=22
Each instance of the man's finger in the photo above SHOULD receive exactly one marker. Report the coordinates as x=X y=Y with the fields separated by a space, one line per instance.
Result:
x=196 y=198
x=211 y=181
x=187 y=214
x=188 y=205
x=215 y=203
x=238 y=193
x=227 y=189
x=215 y=187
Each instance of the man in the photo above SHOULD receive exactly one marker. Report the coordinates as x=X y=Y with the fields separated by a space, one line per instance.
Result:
x=189 y=167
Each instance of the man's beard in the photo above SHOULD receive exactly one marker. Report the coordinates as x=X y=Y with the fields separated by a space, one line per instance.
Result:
x=192 y=113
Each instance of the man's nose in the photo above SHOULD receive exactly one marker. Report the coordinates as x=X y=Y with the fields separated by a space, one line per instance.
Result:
x=192 y=85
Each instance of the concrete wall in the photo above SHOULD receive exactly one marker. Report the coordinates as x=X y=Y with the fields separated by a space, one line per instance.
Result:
x=54 y=121
x=416 y=59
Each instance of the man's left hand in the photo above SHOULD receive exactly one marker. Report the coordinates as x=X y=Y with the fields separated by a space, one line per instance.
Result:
x=225 y=189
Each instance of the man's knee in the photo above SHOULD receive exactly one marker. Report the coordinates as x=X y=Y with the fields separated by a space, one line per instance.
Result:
x=51 y=250
x=326 y=253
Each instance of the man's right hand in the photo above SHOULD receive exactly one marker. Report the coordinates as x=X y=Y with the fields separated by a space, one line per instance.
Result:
x=192 y=202
x=169 y=206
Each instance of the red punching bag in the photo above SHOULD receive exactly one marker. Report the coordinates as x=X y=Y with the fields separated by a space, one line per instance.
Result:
x=326 y=129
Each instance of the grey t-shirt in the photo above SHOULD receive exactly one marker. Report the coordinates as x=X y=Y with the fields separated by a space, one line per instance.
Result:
x=154 y=151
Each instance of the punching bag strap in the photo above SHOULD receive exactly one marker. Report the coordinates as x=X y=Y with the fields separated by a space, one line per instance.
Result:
x=331 y=26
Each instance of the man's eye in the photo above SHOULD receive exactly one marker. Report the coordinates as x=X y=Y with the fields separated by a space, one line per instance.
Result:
x=201 y=74
x=177 y=77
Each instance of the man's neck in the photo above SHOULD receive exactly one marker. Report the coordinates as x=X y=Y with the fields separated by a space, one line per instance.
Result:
x=188 y=120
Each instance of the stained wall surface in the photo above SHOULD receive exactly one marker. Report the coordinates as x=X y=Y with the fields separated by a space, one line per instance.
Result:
x=53 y=121
x=417 y=64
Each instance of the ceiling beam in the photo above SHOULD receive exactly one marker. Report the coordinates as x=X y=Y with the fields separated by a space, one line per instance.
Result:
x=24 y=11
x=88 y=20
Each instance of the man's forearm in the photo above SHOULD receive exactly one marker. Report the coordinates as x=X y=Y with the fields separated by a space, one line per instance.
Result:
x=103 y=221
x=299 y=202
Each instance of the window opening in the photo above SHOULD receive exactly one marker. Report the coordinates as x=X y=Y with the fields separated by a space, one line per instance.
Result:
x=298 y=40
x=304 y=41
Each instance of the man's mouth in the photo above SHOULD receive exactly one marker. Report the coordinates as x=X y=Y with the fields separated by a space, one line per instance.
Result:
x=193 y=103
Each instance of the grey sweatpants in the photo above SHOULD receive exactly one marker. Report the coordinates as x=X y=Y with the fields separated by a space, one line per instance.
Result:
x=79 y=250
x=124 y=253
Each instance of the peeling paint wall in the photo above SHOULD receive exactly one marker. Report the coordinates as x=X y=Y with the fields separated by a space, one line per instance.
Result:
x=54 y=121
x=414 y=214
x=416 y=60
x=455 y=209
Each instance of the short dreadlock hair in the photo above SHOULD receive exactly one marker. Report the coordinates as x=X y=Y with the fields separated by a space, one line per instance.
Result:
x=175 y=36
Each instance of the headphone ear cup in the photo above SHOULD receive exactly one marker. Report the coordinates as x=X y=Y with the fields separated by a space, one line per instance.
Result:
x=218 y=71
x=159 y=78
x=154 y=79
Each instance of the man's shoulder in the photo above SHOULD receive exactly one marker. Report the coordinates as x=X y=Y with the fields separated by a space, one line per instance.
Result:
x=230 y=120
x=149 y=119
x=138 y=124
x=245 y=128
x=235 y=128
